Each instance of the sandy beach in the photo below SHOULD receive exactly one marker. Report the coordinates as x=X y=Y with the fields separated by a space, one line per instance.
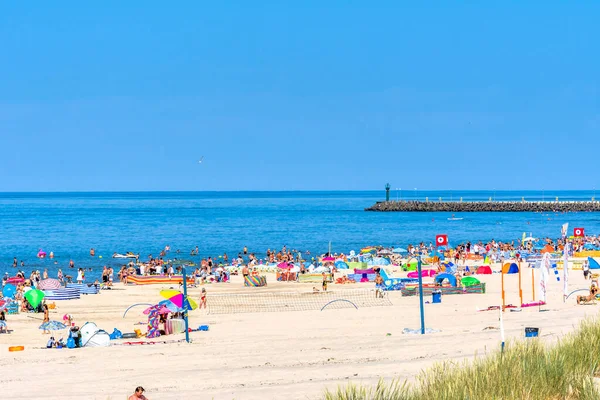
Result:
x=292 y=355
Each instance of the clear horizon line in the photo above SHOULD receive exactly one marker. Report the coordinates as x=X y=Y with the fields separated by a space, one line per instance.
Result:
x=290 y=190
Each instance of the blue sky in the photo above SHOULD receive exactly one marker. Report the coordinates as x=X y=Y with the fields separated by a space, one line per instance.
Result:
x=299 y=95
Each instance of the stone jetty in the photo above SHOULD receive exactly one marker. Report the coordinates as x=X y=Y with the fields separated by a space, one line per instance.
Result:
x=486 y=206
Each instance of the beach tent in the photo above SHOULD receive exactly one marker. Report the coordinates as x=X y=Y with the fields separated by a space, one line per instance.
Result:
x=469 y=281
x=441 y=277
x=510 y=268
x=484 y=270
x=378 y=261
x=100 y=338
x=593 y=263
x=91 y=336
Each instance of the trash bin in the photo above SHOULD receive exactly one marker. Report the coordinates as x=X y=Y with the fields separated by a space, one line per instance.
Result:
x=436 y=297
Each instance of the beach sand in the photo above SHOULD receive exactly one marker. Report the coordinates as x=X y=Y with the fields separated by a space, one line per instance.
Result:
x=291 y=355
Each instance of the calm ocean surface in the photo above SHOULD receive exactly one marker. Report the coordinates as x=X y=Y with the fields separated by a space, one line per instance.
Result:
x=69 y=224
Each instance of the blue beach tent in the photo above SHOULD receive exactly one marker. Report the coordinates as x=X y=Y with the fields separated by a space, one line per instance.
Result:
x=441 y=277
x=593 y=263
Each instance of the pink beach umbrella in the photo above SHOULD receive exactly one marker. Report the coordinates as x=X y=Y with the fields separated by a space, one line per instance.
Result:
x=326 y=259
x=284 y=265
x=49 y=284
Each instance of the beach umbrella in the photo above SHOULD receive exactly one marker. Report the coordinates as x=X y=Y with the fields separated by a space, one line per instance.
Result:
x=385 y=253
x=176 y=297
x=190 y=305
x=53 y=326
x=284 y=265
x=400 y=250
x=9 y=290
x=162 y=310
x=34 y=297
x=341 y=265
x=49 y=284
x=328 y=259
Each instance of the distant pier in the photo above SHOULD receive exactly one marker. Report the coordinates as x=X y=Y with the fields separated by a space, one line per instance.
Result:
x=485 y=206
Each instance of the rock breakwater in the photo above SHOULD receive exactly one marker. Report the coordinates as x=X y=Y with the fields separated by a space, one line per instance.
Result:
x=485 y=206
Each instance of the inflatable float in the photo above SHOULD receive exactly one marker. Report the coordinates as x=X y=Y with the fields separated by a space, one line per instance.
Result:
x=15 y=280
x=41 y=254
x=158 y=279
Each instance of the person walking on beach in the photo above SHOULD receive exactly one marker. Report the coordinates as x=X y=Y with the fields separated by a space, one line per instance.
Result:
x=46 y=318
x=378 y=286
x=138 y=394
x=586 y=269
x=60 y=276
x=80 y=275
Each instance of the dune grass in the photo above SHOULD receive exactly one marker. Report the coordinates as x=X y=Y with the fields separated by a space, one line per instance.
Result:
x=527 y=370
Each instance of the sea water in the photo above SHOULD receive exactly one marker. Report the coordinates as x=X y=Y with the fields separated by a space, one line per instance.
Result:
x=69 y=224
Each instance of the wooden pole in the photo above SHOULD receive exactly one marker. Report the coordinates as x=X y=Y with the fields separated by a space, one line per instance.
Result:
x=520 y=289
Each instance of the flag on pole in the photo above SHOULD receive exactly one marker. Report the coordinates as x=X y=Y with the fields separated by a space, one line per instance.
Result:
x=441 y=240
x=564 y=230
x=566 y=271
x=544 y=274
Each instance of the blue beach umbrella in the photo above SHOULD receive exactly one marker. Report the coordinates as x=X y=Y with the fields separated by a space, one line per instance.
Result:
x=341 y=265
x=53 y=326
x=400 y=250
x=9 y=290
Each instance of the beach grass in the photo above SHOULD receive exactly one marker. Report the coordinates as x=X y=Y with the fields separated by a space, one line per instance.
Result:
x=527 y=369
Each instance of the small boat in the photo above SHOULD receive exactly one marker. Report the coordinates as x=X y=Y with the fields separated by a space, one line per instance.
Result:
x=454 y=219
x=128 y=255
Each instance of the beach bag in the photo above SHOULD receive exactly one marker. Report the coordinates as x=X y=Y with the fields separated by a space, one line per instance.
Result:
x=116 y=334
x=71 y=343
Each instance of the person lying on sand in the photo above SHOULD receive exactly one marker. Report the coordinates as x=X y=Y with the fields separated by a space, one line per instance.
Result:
x=590 y=297
x=138 y=394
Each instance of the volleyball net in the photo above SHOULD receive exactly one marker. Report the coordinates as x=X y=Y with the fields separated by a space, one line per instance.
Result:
x=236 y=303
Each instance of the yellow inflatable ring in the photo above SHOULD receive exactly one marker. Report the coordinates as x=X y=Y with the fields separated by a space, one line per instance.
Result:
x=16 y=348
